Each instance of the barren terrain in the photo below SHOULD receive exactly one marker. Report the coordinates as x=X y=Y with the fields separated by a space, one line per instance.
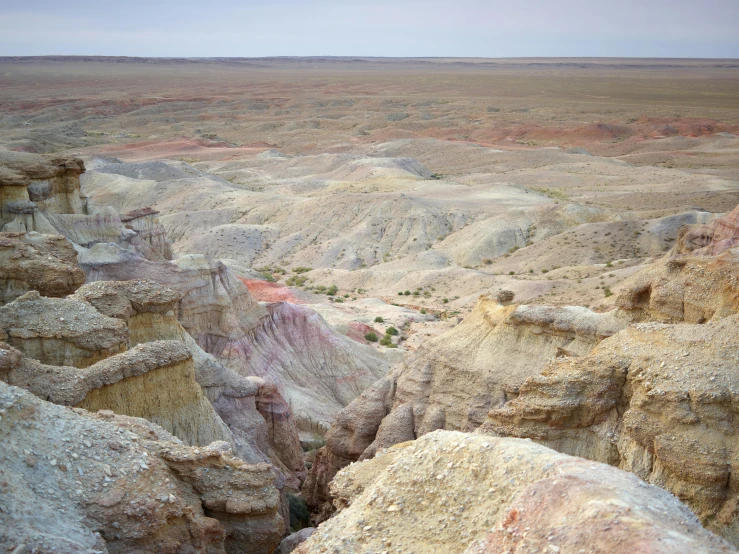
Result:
x=416 y=182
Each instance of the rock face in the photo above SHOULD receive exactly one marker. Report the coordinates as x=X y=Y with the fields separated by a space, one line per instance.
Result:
x=710 y=239
x=32 y=261
x=60 y=331
x=691 y=289
x=253 y=410
x=658 y=400
x=44 y=195
x=30 y=184
x=317 y=370
x=455 y=379
x=78 y=483
x=458 y=493
x=154 y=380
x=146 y=224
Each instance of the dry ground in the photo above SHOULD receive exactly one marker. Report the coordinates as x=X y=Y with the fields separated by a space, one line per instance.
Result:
x=445 y=178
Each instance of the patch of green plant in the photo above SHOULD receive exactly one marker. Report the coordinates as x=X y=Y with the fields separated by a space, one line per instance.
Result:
x=379 y=319
x=299 y=514
x=392 y=331
x=302 y=269
x=371 y=337
x=296 y=280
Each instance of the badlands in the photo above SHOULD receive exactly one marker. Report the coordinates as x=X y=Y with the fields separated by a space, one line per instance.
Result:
x=369 y=305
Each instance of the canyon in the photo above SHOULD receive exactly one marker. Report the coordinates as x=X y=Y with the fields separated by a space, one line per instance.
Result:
x=368 y=305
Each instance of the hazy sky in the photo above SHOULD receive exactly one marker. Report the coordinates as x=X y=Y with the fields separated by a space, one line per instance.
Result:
x=492 y=28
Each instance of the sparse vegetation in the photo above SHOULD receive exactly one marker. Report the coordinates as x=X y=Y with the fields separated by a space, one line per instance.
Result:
x=371 y=337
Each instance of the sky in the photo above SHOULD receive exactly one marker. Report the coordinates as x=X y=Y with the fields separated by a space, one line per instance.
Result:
x=465 y=28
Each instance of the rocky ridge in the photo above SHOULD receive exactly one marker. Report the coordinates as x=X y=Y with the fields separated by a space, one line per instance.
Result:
x=453 y=380
x=77 y=482
x=457 y=492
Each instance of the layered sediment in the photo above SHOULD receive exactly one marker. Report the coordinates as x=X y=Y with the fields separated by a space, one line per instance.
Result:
x=81 y=483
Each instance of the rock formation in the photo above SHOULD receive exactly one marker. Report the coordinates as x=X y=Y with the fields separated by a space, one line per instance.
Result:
x=32 y=261
x=453 y=492
x=147 y=226
x=44 y=195
x=455 y=379
x=712 y=238
x=61 y=331
x=658 y=400
x=691 y=289
x=317 y=370
x=76 y=482
x=30 y=184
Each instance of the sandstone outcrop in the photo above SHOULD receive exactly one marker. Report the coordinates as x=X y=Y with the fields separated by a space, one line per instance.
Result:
x=453 y=492
x=689 y=288
x=44 y=195
x=317 y=370
x=257 y=415
x=155 y=381
x=30 y=183
x=61 y=331
x=712 y=238
x=453 y=380
x=32 y=261
x=147 y=226
x=658 y=400
x=74 y=482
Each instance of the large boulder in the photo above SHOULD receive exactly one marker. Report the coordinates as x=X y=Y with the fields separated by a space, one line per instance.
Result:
x=453 y=492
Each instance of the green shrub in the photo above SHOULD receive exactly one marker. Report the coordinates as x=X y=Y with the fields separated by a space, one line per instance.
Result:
x=371 y=337
x=379 y=319
x=445 y=300
x=332 y=290
x=296 y=281
x=385 y=341
x=302 y=269
x=423 y=311
x=607 y=291
x=407 y=293
x=299 y=514
x=392 y=331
